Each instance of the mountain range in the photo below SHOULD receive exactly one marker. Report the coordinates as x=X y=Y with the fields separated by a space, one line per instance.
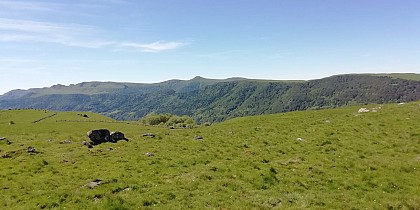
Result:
x=211 y=100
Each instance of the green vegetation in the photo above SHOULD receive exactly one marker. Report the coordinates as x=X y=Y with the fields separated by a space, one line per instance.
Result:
x=168 y=120
x=318 y=159
x=216 y=100
x=407 y=76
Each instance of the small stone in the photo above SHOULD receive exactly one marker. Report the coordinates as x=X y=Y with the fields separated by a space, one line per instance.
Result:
x=6 y=156
x=362 y=110
x=94 y=183
x=149 y=135
x=89 y=145
x=198 y=137
x=149 y=154
x=31 y=149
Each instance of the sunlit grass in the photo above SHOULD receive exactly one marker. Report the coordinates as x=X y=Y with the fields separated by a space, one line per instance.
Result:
x=332 y=159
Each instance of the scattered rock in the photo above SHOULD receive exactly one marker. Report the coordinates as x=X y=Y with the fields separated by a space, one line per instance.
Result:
x=98 y=136
x=198 y=137
x=97 y=198
x=31 y=149
x=66 y=142
x=362 y=110
x=310 y=169
x=149 y=135
x=83 y=115
x=89 y=145
x=6 y=155
x=149 y=154
x=115 y=136
x=94 y=183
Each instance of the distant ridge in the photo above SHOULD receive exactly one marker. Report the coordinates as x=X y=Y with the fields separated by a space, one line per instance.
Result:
x=213 y=100
x=96 y=87
x=407 y=76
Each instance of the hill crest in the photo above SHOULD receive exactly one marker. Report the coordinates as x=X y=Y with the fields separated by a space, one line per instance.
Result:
x=213 y=100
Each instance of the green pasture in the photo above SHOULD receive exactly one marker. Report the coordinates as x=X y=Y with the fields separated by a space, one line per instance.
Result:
x=319 y=159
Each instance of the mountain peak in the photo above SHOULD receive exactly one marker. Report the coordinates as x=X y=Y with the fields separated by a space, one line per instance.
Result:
x=198 y=78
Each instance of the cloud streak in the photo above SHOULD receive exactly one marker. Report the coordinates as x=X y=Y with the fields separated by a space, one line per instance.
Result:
x=153 y=47
x=74 y=35
x=25 y=5
x=41 y=27
x=18 y=26
x=13 y=30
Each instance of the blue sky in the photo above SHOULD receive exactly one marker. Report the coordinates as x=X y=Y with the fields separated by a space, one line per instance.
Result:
x=49 y=42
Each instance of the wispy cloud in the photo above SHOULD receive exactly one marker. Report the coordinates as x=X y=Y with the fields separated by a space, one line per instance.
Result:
x=62 y=40
x=153 y=47
x=14 y=30
x=41 y=27
x=25 y=5
x=75 y=35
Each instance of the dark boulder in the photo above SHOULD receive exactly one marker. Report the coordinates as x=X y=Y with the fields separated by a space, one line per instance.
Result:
x=99 y=136
x=115 y=136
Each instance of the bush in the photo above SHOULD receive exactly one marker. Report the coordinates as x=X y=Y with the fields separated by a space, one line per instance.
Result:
x=168 y=120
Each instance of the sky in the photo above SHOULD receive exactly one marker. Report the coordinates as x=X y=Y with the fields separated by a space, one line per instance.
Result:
x=48 y=42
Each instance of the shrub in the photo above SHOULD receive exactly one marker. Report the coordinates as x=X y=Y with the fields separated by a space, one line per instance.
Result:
x=168 y=120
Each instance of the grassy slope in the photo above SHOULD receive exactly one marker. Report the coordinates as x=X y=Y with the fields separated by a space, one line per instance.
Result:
x=347 y=160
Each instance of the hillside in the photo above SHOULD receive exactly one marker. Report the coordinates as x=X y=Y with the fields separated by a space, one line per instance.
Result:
x=94 y=88
x=320 y=159
x=216 y=100
x=407 y=76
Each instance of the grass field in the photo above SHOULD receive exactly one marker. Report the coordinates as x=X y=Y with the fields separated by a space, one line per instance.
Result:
x=323 y=159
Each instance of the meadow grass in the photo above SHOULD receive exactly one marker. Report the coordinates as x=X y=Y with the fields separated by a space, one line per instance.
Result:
x=319 y=159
